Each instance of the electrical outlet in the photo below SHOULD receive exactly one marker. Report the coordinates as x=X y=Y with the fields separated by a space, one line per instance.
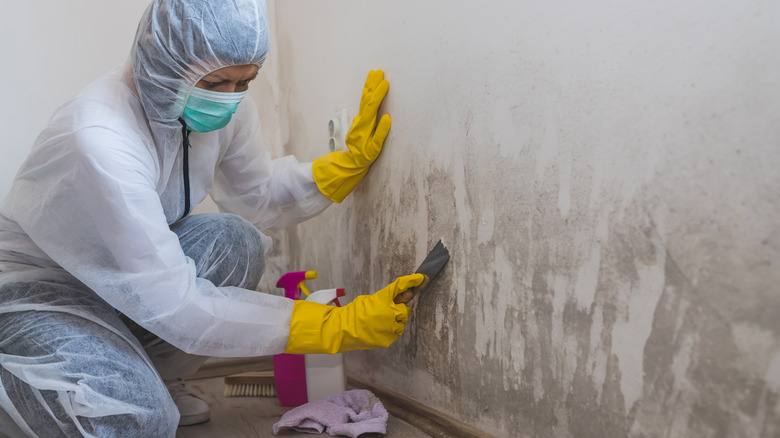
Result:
x=337 y=131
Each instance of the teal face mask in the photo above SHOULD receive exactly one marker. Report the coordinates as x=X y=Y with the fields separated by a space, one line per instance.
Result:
x=207 y=111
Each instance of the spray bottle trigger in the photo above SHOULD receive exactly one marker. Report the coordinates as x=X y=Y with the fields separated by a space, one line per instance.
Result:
x=309 y=275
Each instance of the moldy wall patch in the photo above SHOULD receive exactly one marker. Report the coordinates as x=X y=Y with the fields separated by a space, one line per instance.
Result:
x=606 y=179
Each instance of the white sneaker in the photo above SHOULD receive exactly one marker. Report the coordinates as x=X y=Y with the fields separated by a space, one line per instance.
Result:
x=192 y=410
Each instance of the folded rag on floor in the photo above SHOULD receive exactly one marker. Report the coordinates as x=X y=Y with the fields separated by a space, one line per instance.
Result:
x=349 y=413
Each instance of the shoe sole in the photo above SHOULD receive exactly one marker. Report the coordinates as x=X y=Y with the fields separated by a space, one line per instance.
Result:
x=194 y=419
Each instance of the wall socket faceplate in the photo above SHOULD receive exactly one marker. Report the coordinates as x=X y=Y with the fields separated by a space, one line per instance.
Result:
x=338 y=125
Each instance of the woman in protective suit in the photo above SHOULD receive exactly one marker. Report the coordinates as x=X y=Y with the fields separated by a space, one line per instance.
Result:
x=110 y=291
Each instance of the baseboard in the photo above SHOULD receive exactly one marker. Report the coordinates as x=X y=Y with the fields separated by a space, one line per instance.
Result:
x=428 y=420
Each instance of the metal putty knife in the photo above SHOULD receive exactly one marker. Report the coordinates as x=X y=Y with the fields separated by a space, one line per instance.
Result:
x=431 y=266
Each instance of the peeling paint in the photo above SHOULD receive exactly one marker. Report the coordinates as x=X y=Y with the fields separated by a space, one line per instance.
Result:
x=588 y=277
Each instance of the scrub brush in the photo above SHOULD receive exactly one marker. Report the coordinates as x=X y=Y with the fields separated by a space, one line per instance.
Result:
x=253 y=384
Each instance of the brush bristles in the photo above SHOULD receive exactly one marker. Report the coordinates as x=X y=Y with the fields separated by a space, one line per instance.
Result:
x=250 y=390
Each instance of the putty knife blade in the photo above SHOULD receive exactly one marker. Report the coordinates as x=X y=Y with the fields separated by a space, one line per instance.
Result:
x=435 y=260
x=433 y=263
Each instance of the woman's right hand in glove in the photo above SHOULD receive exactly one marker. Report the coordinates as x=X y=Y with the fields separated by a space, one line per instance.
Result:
x=370 y=321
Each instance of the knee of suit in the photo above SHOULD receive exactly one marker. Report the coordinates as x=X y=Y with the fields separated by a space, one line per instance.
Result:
x=227 y=249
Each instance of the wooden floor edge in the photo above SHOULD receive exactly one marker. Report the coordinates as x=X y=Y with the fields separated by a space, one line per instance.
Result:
x=232 y=366
x=430 y=421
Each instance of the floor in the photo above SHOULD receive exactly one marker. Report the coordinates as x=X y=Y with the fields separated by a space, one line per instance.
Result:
x=255 y=416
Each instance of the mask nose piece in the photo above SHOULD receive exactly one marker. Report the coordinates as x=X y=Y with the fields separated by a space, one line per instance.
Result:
x=207 y=111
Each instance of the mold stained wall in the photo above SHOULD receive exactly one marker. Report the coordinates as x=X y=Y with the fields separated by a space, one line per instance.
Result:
x=606 y=176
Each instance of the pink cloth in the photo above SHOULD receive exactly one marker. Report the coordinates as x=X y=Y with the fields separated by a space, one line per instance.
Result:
x=349 y=413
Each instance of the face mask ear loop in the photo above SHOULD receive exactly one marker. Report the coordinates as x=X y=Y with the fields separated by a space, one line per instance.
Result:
x=185 y=134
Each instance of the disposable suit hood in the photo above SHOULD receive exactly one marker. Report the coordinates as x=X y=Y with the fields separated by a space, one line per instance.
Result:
x=178 y=42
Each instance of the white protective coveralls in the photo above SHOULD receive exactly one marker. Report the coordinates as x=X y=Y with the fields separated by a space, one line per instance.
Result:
x=90 y=210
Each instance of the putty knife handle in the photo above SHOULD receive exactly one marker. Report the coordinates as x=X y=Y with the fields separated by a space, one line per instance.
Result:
x=409 y=294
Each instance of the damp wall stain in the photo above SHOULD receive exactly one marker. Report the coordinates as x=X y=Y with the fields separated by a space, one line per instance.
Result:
x=612 y=220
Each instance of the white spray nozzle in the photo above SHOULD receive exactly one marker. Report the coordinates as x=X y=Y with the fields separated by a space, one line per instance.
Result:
x=327 y=296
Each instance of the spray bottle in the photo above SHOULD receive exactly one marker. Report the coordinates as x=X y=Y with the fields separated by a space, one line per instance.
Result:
x=324 y=372
x=290 y=369
x=302 y=378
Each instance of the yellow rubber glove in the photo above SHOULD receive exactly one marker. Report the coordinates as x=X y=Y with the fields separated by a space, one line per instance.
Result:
x=370 y=321
x=337 y=173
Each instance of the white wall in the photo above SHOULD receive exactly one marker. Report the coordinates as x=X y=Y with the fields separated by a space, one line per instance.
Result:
x=607 y=177
x=50 y=50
